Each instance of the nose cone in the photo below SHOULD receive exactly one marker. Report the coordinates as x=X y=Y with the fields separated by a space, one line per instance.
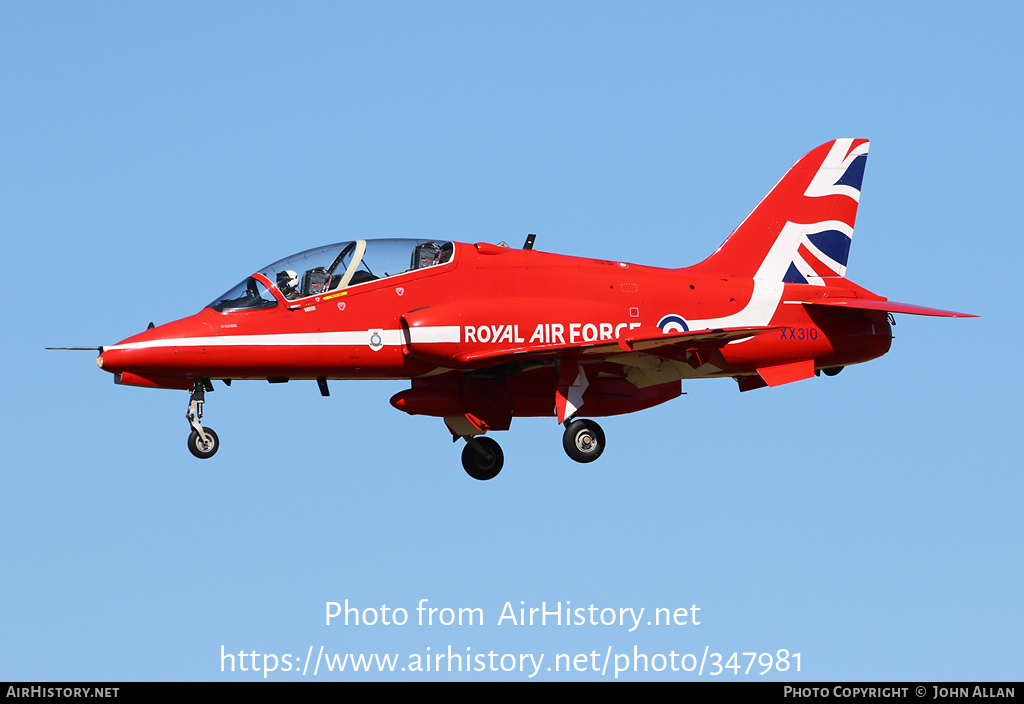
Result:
x=154 y=351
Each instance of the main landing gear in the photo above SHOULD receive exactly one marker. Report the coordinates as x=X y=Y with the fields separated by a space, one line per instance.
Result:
x=202 y=442
x=482 y=457
x=583 y=440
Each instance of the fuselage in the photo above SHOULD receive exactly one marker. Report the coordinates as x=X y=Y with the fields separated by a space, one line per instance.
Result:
x=490 y=305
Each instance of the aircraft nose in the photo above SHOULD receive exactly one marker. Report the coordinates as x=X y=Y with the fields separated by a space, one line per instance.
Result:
x=140 y=356
x=149 y=352
x=115 y=360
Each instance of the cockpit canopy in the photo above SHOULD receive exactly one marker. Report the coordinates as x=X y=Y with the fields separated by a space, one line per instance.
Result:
x=332 y=268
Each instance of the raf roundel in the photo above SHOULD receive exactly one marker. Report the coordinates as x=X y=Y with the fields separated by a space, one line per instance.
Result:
x=673 y=324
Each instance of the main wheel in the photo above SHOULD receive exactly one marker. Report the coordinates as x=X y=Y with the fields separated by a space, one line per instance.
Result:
x=483 y=466
x=203 y=449
x=583 y=440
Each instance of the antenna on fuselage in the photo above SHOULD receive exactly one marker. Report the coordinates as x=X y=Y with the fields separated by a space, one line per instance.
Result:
x=529 y=241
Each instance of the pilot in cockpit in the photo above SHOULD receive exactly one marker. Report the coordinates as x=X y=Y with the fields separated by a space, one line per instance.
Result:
x=288 y=282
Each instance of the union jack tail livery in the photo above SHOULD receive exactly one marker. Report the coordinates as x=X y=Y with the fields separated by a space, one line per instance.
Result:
x=486 y=333
x=801 y=231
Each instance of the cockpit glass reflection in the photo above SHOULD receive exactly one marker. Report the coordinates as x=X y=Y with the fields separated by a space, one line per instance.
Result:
x=248 y=295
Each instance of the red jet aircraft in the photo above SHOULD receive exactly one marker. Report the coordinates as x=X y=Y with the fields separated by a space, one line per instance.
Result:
x=487 y=333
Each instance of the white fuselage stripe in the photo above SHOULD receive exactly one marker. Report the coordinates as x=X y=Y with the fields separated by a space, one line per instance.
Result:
x=439 y=333
x=302 y=339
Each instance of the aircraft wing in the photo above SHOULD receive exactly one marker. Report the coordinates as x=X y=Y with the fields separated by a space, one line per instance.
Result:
x=652 y=344
x=657 y=345
x=689 y=347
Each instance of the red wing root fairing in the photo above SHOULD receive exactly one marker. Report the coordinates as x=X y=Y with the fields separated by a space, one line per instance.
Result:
x=487 y=333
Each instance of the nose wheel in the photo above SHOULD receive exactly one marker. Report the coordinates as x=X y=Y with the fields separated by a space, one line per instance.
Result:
x=202 y=442
x=583 y=440
x=203 y=446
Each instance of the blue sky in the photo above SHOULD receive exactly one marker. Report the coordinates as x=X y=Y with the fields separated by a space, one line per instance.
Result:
x=151 y=155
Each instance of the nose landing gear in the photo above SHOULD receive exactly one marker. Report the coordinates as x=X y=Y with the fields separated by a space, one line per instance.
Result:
x=202 y=442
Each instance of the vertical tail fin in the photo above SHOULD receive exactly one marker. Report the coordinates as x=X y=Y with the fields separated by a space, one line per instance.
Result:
x=801 y=231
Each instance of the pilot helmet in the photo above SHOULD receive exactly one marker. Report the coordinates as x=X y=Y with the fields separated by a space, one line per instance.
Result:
x=287 y=279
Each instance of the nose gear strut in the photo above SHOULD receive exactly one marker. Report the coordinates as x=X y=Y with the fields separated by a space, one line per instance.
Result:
x=202 y=442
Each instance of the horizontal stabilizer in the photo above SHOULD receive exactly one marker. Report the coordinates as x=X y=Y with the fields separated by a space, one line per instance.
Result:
x=887 y=306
